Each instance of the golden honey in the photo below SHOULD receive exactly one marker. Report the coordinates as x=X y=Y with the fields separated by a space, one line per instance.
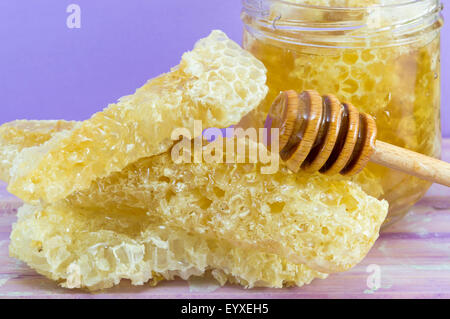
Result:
x=383 y=58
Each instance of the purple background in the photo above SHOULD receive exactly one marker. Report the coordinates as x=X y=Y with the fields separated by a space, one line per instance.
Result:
x=49 y=71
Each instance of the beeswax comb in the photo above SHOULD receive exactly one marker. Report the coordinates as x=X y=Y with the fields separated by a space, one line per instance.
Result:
x=319 y=133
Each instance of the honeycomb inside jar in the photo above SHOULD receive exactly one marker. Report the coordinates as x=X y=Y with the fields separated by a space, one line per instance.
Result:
x=399 y=85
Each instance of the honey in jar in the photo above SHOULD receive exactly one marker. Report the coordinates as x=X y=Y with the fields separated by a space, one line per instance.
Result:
x=383 y=56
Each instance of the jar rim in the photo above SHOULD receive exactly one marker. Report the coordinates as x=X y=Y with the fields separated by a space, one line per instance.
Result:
x=313 y=6
x=382 y=25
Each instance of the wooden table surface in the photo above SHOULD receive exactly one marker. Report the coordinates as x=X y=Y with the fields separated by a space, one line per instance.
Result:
x=411 y=257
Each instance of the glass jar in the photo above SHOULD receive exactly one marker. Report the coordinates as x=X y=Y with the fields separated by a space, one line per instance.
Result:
x=383 y=58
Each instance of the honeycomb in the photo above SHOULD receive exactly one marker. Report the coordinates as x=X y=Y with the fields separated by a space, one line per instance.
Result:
x=129 y=190
x=130 y=209
x=185 y=254
x=398 y=85
x=20 y=134
x=96 y=249
x=326 y=223
x=116 y=206
x=217 y=82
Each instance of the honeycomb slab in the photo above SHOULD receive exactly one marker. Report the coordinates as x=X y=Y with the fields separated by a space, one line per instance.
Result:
x=326 y=223
x=97 y=249
x=217 y=82
x=18 y=135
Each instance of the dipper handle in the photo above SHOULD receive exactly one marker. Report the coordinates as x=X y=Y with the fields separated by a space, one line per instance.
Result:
x=412 y=163
x=322 y=134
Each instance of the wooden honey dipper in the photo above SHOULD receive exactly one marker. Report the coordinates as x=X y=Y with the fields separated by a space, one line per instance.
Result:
x=322 y=134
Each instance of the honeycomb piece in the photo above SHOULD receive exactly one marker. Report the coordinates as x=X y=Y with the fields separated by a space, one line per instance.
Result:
x=16 y=135
x=20 y=134
x=96 y=249
x=326 y=223
x=25 y=133
x=218 y=82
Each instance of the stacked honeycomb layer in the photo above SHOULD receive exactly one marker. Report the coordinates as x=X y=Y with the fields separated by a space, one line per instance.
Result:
x=326 y=223
x=97 y=249
x=245 y=218
x=116 y=206
x=17 y=135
